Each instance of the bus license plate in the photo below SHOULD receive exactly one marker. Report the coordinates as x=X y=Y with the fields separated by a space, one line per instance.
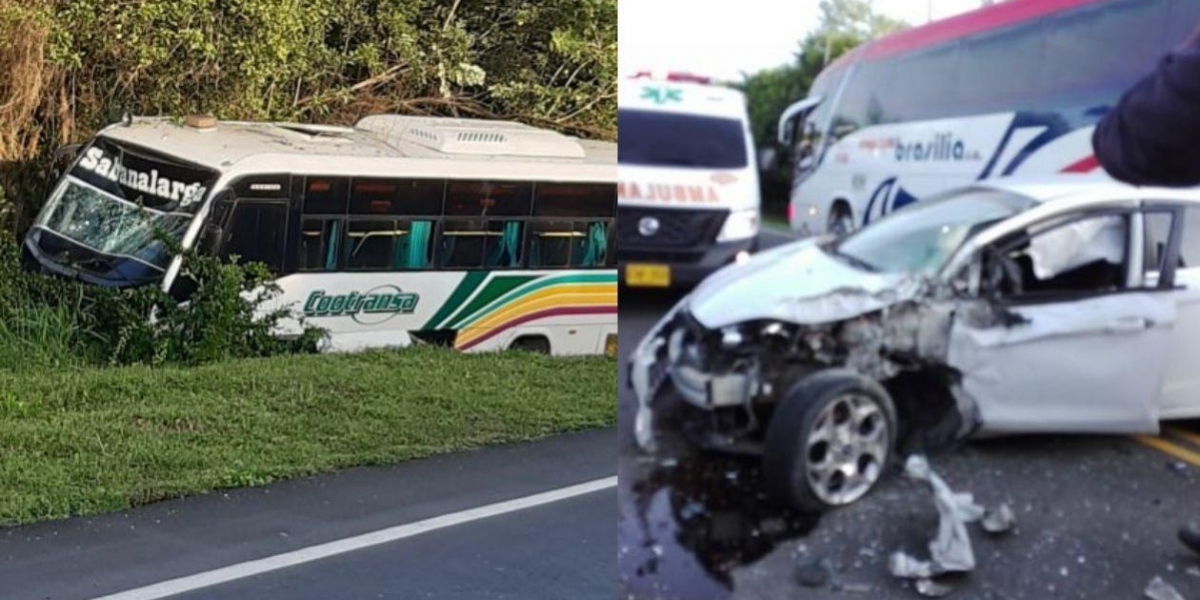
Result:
x=638 y=275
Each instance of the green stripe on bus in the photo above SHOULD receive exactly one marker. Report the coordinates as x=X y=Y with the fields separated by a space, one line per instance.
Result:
x=497 y=287
x=543 y=283
x=460 y=294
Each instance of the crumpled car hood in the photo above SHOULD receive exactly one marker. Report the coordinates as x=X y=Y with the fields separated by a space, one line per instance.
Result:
x=797 y=283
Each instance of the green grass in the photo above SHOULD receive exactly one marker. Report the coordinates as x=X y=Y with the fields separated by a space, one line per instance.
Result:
x=82 y=441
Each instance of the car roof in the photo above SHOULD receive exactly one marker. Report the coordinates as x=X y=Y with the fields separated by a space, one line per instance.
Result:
x=1073 y=187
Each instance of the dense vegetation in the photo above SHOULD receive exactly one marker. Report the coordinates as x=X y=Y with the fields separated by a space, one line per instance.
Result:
x=73 y=66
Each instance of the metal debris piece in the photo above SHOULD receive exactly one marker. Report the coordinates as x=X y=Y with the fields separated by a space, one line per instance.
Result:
x=932 y=589
x=950 y=550
x=999 y=520
x=856 y=588
x=815 y=573
x=1161 y=590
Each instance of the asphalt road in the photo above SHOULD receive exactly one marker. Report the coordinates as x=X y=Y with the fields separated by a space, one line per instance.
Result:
x=559 y=549
x=1096 y=516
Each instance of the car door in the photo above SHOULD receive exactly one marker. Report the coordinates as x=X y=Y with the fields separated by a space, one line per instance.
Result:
x=1064 y=335
x=1180 y=395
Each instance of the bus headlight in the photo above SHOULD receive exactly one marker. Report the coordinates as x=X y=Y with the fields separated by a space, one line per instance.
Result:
x=740 y=225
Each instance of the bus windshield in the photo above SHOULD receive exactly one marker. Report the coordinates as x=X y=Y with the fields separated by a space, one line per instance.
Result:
x=113 y=218
x=661 y=139
x=104 y=223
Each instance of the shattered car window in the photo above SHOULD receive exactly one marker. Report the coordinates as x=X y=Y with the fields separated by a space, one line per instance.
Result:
x=1081 y=256
x=921 y=237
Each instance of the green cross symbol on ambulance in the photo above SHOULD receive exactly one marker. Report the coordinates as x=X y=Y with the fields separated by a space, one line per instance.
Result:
x=662 y=94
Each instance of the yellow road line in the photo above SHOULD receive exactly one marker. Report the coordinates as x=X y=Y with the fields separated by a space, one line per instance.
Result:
x=1169 y=448
x=1183 y=433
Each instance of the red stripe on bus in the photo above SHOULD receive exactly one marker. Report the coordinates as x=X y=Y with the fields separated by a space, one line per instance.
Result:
x=977 y=21
x=1086 y=165
x=550 y=312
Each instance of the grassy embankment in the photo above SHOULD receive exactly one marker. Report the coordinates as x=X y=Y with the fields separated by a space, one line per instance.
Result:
x=86 y=440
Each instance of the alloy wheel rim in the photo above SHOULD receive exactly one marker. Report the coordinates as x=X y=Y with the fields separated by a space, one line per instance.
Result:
x=846 y=449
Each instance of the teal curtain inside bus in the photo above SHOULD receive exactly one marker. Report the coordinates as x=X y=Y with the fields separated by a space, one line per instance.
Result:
x=507 y=252
x=331 y=253
x=412 y=250
x=595 y=246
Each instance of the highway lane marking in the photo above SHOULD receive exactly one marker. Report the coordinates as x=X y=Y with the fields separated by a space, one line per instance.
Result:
x=1184 y=434
x=1169 y=448
x=293 y=558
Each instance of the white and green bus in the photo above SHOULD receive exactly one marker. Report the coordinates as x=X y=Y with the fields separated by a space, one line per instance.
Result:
x=476 y=234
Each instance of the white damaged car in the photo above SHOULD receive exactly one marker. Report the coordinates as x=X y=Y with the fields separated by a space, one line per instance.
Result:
x=1006 y=307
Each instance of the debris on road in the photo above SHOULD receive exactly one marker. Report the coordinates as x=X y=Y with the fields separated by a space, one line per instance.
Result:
x=932 y=589
x=815 y=573
x=950 y=550
x=1158 y=589
x=999 y=520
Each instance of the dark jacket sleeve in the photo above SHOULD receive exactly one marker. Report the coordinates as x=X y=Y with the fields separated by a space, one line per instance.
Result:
x=1152 y=137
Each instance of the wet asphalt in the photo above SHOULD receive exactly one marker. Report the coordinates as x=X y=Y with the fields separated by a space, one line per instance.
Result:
x=1096 y=517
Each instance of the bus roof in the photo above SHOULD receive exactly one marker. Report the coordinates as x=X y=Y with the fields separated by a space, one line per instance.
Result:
x=984 y=19
x=389 y=144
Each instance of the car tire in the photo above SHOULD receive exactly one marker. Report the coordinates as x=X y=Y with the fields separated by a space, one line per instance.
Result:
x=829 y=441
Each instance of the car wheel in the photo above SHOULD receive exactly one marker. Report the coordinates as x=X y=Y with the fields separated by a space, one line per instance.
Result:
x=829 y=441
x=840 y=222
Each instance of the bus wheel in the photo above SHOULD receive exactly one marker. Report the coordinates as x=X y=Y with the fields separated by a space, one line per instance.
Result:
x=536 y=344
x=841 y=222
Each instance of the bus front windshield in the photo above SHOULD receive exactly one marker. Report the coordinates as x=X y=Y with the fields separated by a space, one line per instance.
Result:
x=921 y=237
x=116 y=216
x=109 y=225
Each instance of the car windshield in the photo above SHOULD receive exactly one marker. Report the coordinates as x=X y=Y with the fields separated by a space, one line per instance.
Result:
x=661 y=139
x=921 y=237
x=109 y=225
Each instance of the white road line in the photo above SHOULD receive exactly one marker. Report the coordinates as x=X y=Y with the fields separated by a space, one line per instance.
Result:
x=383 y=536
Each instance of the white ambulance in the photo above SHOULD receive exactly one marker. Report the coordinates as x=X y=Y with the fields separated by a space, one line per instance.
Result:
x=688 y=196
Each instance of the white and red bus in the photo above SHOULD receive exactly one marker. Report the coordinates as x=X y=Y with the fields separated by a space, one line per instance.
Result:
x=1012 y=89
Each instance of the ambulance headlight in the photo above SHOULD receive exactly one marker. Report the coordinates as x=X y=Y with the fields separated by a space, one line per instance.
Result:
x=740 y=225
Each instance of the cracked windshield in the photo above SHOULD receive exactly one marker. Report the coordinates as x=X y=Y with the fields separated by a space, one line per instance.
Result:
x=909 y=302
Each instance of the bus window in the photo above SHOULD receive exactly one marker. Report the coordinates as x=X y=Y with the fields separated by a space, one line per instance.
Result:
x=397 y=197
x=927 y=84
x=319 y=244
x=414 y=246
x=258 y=233
x=488 y=198
x=862 y=102
x=370 y=244
x=558 y=244
x=476 y=243
x=1097 y=52
x=574 y=200
x=326 y=195
x=1000 y=71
